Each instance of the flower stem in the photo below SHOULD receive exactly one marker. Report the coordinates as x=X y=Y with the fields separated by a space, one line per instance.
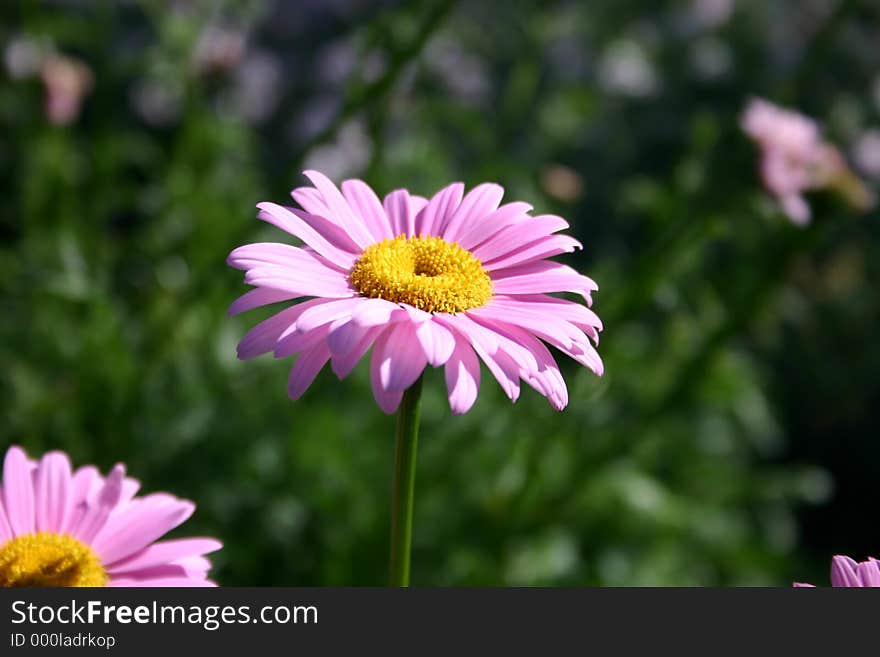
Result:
x=403 y=487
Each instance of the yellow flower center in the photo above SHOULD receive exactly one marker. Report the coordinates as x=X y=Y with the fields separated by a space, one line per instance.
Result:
x=49 y=559
x=426 y=272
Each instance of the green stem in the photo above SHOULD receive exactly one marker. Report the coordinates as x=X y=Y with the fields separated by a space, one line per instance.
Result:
x=403 y=487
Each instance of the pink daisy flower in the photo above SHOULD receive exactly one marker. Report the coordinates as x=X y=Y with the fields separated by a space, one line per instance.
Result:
x=446 y=282
x=846 y=572
x=794 y=157
x=60 y=527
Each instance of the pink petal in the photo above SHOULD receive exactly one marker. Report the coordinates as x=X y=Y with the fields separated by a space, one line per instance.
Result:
x=402 y=208
x=437 y=342
x=288 y=219
x=340 y=210
x=507 y=215
x=869 y=573
x=844 y=572
x=195 y=566
x=558 y=332
x=388 y=400
x=85 y=483
x=478 y=204
x=576 y=313
x=306 y=368
x=462 y=377
x=260 y=254
x=165 y=552
x=343 y=335
x=439 y=209
x=130 y=487
x=318 y=216
x=139 y=524
x=52 y=482
x=400 y=359
x=326 y=312
x=264 y=337
x=304 y=280
x=5 y=529
x=546 y=247
x=84 y=486
x=539 y=369
x=542 y=276
x=295 y=342
x=98 y=511
x=415 y=315
x=18 y=491
x=366 y=204
x=192 y=567
x=312 y=201
x=166 y=582
x=261 y=296
x=374 y=312
x=500 y=364
x=519 y=235
x=343 y=363
x=541 y=325
x=162 y=571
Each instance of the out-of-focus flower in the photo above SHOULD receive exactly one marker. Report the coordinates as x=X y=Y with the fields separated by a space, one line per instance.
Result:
x=711 y=58
x=795 y=159
x=441 y=282
x=462 y=73
x=335 y=62
x=562 y=182
x=64 y=527
x=256 y=90
x=158 y=102
x=314 y=116
x=712 y=13
x=347 y=155
x=625 y=68
x=67 y=81
x=218 y=50
x=846 y=572
x=866 y=153
x=23 y=57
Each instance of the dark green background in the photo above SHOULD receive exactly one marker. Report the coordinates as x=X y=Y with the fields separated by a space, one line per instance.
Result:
x=732 y=440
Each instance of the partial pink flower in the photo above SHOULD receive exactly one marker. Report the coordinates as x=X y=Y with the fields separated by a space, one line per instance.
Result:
x=65 y=527
x=848 y=572
x=794 y=158
x=445 y=282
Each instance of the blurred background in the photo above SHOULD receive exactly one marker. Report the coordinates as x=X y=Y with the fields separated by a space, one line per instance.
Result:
x=733 y=439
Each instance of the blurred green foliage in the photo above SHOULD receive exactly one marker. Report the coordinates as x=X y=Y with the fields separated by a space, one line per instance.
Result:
x=738 y=348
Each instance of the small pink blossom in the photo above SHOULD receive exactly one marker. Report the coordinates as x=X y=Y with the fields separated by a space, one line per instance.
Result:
x=794 y=158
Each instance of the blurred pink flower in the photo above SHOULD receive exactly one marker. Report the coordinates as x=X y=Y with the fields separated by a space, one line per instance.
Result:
x=846 y=572
x=67 y=82
x=218 y=50
x=422 y=282
x=60 y=527
x=794 y=159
